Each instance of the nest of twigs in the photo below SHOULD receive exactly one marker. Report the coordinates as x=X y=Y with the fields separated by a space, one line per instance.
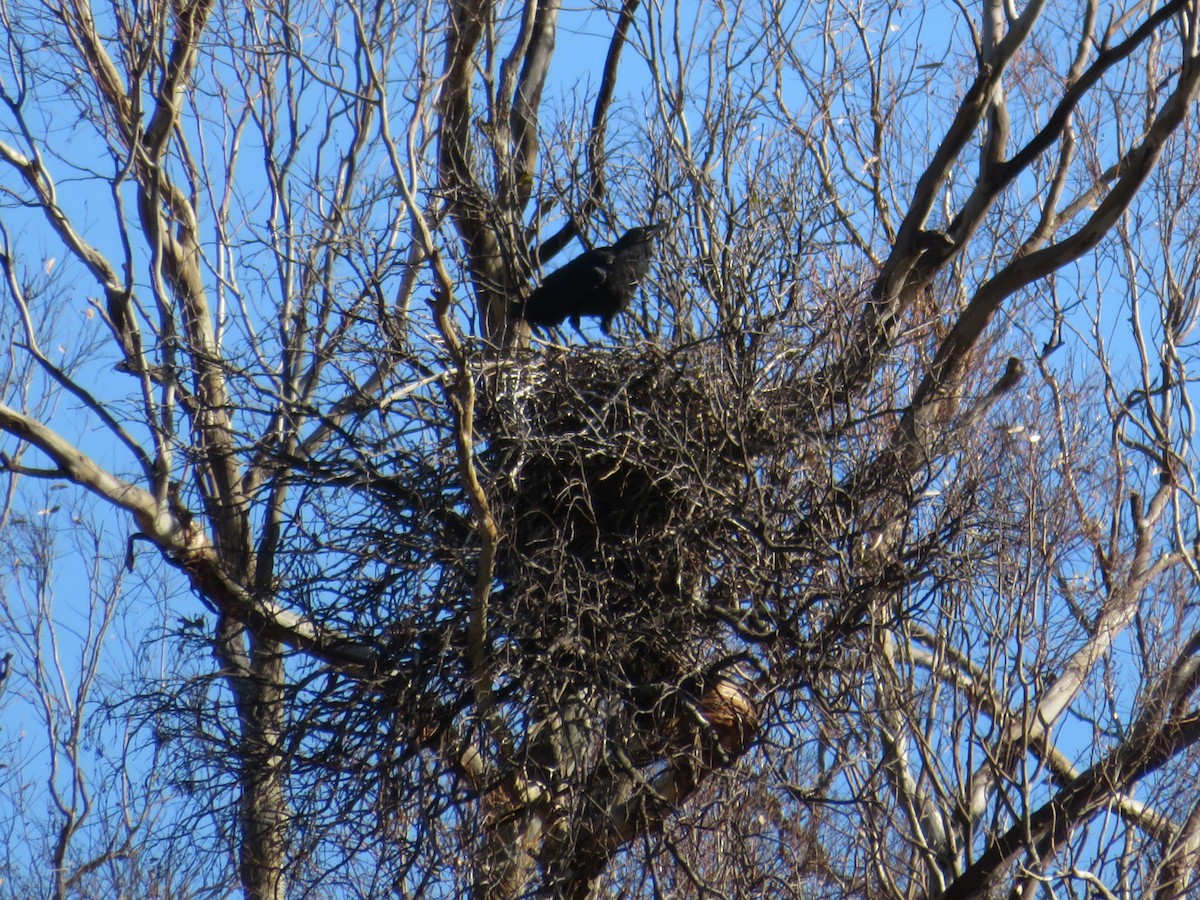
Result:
x=621 y=479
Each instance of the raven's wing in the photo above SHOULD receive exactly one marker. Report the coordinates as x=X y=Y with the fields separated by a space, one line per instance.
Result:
x=567 y=290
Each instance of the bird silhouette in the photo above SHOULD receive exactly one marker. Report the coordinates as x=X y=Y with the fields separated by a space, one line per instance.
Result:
x=600 y=283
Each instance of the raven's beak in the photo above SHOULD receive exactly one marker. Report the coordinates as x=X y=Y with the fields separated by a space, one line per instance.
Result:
x=654 y=228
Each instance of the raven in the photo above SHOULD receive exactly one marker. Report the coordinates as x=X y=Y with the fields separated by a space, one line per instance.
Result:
x=600 y=283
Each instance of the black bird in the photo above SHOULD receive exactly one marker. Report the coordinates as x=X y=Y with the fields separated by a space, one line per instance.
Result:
x=600 y=283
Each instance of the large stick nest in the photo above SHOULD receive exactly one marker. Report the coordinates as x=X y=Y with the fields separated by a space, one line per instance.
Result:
x=626 y=486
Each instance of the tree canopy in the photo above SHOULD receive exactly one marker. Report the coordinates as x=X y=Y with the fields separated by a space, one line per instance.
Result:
x=860 y=559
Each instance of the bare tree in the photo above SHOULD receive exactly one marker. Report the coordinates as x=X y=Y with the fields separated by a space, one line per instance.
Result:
x=863 y=562
x=84 y=785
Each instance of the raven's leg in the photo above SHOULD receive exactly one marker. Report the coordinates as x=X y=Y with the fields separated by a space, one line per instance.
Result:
x=578 y=329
